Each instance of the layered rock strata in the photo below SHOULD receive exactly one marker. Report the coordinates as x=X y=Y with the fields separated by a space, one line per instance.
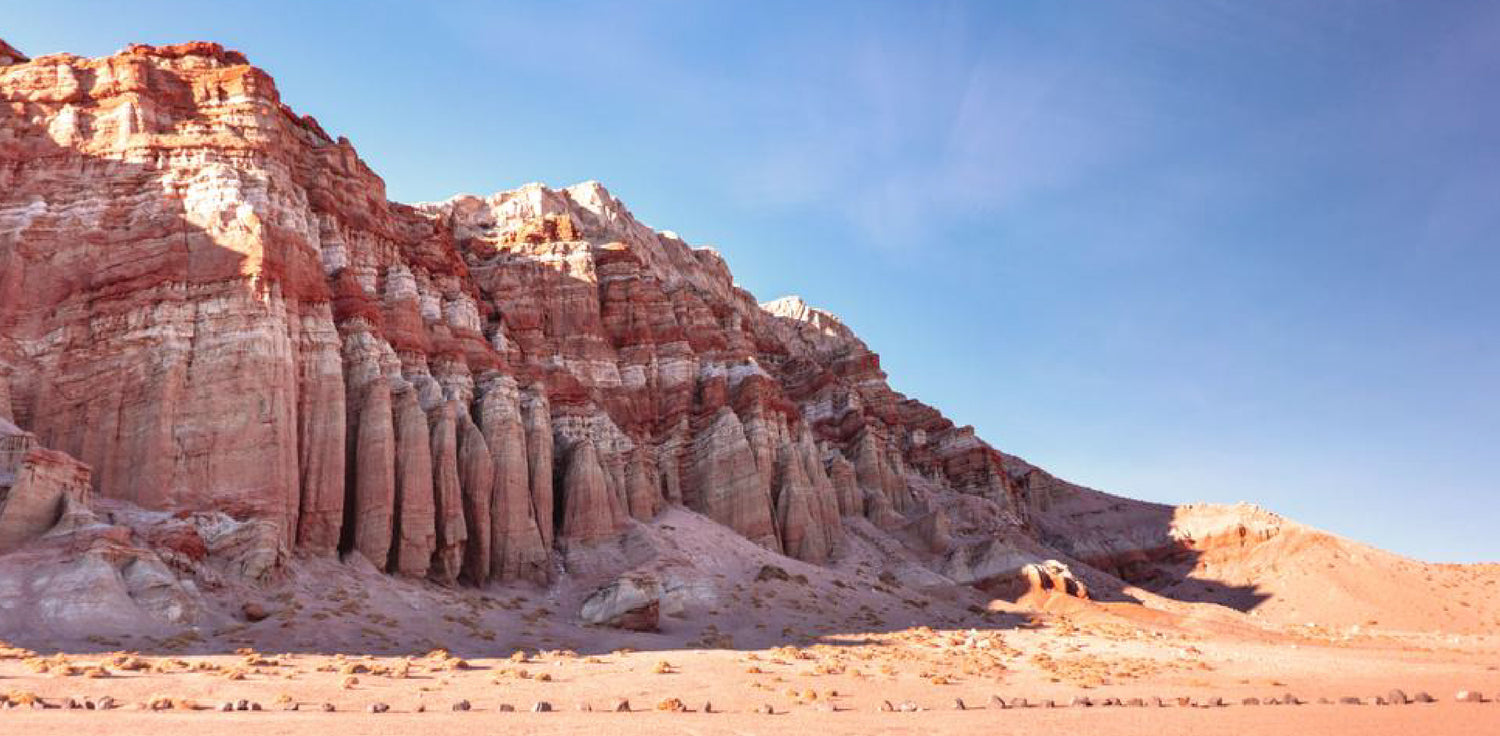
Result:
x=210 y=301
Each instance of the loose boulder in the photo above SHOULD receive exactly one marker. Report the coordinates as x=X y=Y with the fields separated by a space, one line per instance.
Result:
x=630 y=602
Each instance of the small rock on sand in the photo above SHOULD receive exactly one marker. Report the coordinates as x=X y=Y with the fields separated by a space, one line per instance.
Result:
x=958 y=704
x=329 y=707
x=379 y=707
x=462 y=705
x=541 y=706
x=1469 y=696
x=1423 y=696
x=998 y=703
x=765 y=709
x=1397 y=697
x=1081 y=702
x=621 y=705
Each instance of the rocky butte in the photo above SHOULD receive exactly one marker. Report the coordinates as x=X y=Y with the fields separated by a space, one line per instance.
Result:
x=224 y=350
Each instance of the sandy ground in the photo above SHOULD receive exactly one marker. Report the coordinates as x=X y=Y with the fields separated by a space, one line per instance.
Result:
x=1058 y=658
x=824 y=649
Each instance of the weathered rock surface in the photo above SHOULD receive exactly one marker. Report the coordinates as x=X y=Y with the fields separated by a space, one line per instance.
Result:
x=632 y=601
x=45 y=482
x=415 y=537
x=210 y=301
x=591 y=512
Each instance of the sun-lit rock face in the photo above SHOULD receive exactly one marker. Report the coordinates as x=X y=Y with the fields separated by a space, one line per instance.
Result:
x=210 y=302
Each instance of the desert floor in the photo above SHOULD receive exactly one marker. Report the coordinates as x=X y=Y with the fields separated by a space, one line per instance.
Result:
x=839 y=687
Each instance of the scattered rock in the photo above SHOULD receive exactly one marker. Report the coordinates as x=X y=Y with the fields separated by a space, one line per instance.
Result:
x=1250 y=701
x=1136 y=703
x=506 y=708
x=887 y=707
x=771 y=572
x=708 y=707
x=631 y=602
x=226 y=707
x=1018 y=703
x=1350 y=700
x=908 y=707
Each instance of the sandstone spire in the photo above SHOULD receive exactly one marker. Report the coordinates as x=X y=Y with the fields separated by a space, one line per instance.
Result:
x=517 y=550
x=416 y=526
x=452 y=533
x=589 y=514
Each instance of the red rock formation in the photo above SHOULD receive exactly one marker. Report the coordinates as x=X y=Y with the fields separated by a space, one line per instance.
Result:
x=415 y=532
x=371 y=515
x=476 y=477
x=210 y=301
x=33 y=501
x=448 y=512
x=517 y=550
x=589 y=514
x=9 y=55
x=798 y=518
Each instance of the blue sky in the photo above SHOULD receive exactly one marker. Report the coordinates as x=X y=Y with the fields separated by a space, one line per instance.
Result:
x=1182 y=250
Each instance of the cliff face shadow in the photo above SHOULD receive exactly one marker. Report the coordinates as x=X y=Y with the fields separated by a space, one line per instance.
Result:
x=1136 y=543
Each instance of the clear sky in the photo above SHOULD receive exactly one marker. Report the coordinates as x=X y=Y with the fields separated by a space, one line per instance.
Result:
x=1181 y=250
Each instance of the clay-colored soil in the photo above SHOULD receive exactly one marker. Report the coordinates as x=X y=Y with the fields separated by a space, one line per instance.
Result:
x=1057 y=657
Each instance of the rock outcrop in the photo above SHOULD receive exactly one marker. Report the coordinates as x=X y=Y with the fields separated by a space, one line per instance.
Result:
x=631 y=602
x=210 y=301
x=9 y=55
x=42 y=486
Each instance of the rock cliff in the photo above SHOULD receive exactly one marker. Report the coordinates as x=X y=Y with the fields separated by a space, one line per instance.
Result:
x=211 y=302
